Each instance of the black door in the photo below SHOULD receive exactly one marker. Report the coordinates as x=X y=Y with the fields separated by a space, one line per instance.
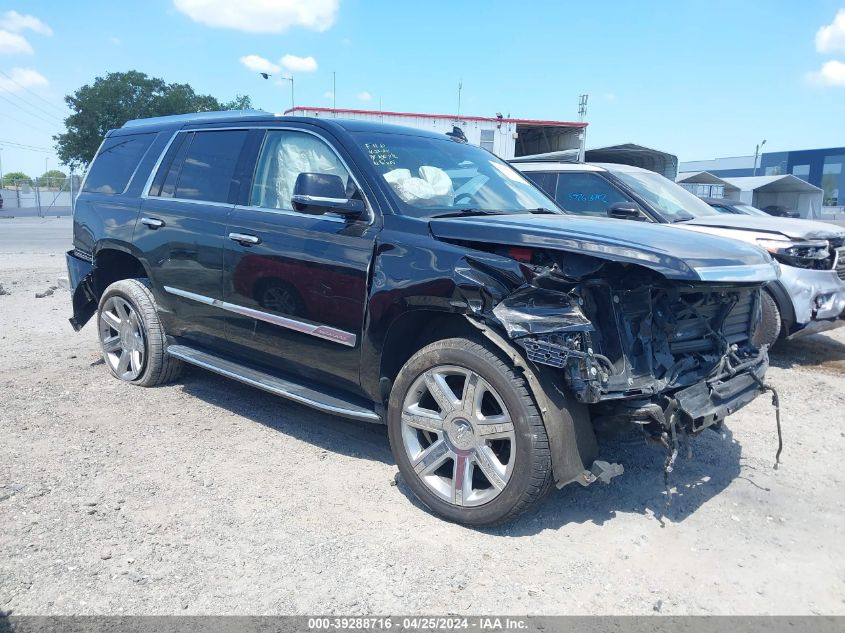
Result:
x=182 y=230
x=297 y=283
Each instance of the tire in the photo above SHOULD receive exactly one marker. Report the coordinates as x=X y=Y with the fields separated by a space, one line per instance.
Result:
x=769 y=328
x=134 y=345
x=499 y=443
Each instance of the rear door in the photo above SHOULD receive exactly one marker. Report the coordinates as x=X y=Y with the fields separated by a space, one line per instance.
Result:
x=182 y=229
x=296 y=283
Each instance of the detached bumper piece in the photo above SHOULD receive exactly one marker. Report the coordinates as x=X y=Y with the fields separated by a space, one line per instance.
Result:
x=705 y=403
x=80 y=271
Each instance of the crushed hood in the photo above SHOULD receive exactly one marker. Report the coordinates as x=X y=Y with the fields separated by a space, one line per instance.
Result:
x=792 y=228
x=673 y=253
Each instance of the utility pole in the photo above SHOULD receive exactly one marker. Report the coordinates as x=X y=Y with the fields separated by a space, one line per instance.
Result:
x=460 y=87
x=582 y=114
x=334 y=91
x=757 y=153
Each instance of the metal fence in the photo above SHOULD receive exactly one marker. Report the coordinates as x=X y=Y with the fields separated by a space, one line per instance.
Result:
x=39 y=197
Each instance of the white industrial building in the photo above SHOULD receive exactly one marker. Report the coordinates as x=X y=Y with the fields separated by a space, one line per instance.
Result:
x=505 y=137
x=784 y=190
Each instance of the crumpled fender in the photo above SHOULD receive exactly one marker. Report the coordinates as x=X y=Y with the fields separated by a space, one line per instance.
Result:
x=572 y=441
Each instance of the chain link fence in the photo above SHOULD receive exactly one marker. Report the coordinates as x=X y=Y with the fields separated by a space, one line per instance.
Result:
x=39 y=197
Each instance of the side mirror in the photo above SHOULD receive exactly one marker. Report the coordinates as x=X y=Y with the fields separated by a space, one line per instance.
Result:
x=625 y=211
x=323 y=193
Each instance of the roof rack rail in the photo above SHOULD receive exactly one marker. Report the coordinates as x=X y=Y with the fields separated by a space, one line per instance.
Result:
x=196 y=116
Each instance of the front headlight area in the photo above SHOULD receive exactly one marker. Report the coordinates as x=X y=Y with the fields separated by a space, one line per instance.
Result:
x=810 y=254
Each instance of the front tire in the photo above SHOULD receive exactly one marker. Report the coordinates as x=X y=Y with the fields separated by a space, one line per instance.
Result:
x=467 y=435
x=769 y=328
x=132 y=338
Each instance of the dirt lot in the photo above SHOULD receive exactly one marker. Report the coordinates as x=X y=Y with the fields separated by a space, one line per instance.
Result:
x=209 y=497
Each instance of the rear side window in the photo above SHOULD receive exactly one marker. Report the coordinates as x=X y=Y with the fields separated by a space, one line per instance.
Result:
x=586 y=194
x=199 y=166
x=544 y=179
x=116 y=162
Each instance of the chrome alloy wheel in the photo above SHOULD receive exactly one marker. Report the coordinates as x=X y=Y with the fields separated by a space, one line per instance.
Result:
x=122 y=338
x=458 y=435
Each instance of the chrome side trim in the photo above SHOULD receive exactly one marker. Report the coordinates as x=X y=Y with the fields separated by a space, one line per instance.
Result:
x=751 y=273
x=313 y=329
x=293 y=214
x=267 y=383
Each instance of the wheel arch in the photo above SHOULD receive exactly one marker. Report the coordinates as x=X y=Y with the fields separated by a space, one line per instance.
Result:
x=572 y=440
x=112 y=261
x=783 y=302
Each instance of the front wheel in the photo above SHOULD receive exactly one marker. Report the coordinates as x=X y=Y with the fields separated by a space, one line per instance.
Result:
x=768 y=330
x=467 y=435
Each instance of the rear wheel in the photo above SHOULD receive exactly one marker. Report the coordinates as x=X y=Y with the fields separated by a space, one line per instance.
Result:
x=131 y=336
x=768 y=330
x=467 y=435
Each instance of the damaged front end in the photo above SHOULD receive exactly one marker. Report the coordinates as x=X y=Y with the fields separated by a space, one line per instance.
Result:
x=672 y=357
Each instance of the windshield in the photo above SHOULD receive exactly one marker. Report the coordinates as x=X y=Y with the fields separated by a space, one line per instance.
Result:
x=673 y=202
x=747 y=209
x=434 y=176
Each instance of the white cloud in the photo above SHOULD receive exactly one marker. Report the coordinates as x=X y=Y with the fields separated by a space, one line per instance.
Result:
x=14 y=43
x=114 y=40
x=259 y=64
x=328 y=94
x=610 y=97
x=261 y=16
x=831 y=37
x=22 y=78
x=14 y=21
x=299 y=64
x=364 y=96
x=831 y=73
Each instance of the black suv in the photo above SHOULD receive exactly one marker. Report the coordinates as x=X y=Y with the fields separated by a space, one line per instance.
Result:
x=405 y=277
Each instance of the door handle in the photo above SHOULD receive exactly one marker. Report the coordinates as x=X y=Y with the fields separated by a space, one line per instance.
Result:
x=244 y=239
x=153 y=223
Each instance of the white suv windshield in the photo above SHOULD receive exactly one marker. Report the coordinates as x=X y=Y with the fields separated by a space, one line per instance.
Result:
x=674 y=202
x=431 y=176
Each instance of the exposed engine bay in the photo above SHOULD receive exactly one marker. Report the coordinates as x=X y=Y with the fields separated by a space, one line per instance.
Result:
x=628 y=341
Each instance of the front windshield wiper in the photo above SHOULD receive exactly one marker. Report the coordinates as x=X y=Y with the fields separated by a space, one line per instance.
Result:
x=686 y=218
x=544 y=210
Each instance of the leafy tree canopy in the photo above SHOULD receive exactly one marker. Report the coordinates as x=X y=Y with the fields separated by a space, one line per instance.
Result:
x=118 y=97
x=13 y=178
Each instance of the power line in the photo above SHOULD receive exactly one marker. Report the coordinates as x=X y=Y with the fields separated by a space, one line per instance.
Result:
x=30 y=125
x=25 y=146
x=25 y=111
x=33 y=106
x=37 y=96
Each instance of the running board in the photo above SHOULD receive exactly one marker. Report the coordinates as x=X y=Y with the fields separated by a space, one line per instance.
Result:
x=302 y=394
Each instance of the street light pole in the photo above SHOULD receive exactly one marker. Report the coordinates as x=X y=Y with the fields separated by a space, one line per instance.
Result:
x=757 y=153
x=290 y=79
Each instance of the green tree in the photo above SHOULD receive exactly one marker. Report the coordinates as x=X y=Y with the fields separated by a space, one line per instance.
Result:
x=240 y=102
x=52 y=178
x=13 y=178
x=112 y=100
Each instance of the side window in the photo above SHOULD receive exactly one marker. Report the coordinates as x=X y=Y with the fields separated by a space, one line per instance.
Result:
x=283 y=157
x=209 y=164
x=545 y=180
x=586 y=194
x=170 y=165
x=116 y=162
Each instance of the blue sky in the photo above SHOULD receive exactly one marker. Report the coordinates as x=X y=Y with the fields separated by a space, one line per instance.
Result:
x=700 y=80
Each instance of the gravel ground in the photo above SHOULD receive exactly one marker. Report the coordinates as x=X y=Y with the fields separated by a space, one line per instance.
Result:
x=210 y=497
